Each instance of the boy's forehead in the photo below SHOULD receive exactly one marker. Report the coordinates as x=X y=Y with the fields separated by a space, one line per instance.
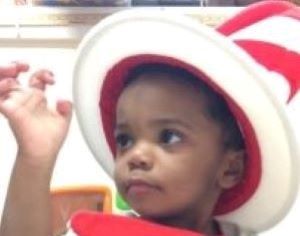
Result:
x=161 y=99
x=161 y=81
x=155 y=87
x=158 y=77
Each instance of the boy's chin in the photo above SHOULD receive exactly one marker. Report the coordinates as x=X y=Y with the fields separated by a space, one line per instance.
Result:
x=157 y=215
x=151 y=213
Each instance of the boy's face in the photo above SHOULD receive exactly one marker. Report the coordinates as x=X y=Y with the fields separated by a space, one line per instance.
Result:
x=170 y=156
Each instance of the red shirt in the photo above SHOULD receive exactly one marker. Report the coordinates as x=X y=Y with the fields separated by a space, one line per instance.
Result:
x=97 y=224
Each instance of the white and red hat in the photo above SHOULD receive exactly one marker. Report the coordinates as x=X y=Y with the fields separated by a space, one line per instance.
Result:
x=253 y=60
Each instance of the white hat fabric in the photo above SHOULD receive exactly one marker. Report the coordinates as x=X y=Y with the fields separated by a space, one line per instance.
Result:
x=245 y=61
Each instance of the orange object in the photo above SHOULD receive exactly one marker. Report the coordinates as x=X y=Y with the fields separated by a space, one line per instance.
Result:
x=66 y=201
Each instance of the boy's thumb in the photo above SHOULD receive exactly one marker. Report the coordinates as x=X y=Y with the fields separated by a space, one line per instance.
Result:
x=64 y=108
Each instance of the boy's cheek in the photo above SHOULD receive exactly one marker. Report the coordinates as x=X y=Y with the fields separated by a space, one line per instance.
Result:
x=120 y=187
x=117 y=175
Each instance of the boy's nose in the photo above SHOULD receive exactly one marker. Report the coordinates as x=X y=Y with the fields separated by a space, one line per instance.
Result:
x=141 y=157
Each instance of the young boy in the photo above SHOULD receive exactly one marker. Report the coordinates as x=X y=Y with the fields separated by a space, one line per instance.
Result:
x=162 y=141
x=188 y=142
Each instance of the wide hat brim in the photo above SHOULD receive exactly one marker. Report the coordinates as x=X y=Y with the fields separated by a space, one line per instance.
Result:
x=127 y=39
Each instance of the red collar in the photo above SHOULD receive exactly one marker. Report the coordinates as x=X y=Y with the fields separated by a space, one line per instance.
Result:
x=95 y=224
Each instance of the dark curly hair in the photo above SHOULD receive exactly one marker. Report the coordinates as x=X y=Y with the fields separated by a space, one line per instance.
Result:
x=216 y=107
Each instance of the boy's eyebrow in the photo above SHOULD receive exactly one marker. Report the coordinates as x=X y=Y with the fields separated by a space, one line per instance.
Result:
x=120 y=126
x=156 y=122
x=171 y=121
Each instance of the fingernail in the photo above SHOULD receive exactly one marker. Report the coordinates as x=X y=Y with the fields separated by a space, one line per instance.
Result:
x=10 y=81
x=50 y=73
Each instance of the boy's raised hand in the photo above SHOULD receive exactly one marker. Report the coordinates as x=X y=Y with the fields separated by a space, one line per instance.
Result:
x=39 y=130
x=13 y=70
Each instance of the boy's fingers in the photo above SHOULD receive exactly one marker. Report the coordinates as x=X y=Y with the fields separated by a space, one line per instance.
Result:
x=64 y=108
x=8 y=71
x=6 y=85
x=20 y=2
x=21 y=66
x=13 y=69
x=12 y=100
x=9 y=88
x=40 y=79
x=37 y=98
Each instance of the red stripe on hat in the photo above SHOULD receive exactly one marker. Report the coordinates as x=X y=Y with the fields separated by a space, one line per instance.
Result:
x=254 y=13
x=294 y=13
x=276 y=58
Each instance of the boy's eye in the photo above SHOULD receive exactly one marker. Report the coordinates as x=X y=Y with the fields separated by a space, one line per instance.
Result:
x=123 y=141
x=168 y=136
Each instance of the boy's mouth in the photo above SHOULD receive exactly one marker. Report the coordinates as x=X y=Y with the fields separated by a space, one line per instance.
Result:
x=140 y=187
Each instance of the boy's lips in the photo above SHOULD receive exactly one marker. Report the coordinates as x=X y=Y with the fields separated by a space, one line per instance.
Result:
x=139 y=187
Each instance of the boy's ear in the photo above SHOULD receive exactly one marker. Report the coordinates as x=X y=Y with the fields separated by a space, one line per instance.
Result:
x=232 y=169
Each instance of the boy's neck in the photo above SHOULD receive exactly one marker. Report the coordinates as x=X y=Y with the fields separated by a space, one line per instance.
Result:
x=208 y=227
